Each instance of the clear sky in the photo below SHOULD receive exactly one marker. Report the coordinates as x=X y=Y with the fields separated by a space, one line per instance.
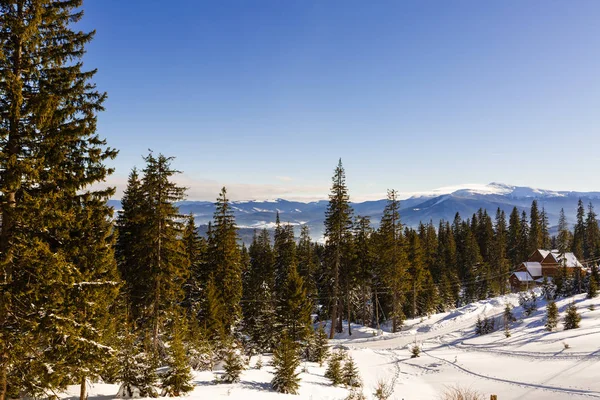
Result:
x=265 y=96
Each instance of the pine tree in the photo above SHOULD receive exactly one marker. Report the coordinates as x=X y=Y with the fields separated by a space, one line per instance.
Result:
x=166 y=266
x=129 y=247
x=307 y=264
x=320 y=350
x=334 y=368
x=564 y=237
x=592 y=234
x=294 y=307
x=592 y=287
x=225 y=263
x=508 y=317
x=524 y=241
x=177 y=380
x=514 y=238
x=572 y=318
x=551 y=316
x=259 y=307
x=392 y=257
x=544 y=226
x=233 y=366
x=195 y=250
x=499 y=264
x=285 y=363
x=579 y=232
x=51 y=156
x=137 y=369
x=338 y=224
x=535 y=229
x=364 y=260
x=350 y=375
x=416 y=270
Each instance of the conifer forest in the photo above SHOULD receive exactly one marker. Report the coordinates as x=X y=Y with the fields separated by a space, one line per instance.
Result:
x=138 y=298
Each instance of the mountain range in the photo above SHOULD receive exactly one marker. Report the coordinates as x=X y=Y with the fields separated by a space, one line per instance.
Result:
x=251 y=215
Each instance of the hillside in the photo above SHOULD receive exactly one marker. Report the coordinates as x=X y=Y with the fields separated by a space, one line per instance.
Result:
x=531 y=364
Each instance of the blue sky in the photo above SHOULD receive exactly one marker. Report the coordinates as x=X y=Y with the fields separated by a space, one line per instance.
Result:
x=265 y=96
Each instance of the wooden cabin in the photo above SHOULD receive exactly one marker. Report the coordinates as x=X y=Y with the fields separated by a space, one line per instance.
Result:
x=542 y=264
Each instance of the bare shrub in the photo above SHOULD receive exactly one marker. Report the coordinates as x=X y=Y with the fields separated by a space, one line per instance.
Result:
x=461 y=393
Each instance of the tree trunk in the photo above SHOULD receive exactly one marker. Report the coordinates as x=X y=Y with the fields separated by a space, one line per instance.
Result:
x=3 y=381
x=348 y=306
x=334 y=307
x=377 y=310
x=414 y=310
x=82 y=390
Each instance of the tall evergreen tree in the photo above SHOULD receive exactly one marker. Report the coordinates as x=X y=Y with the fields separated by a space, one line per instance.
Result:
x=50 y=155
x=499 y=264
x=564 y=238
x=195 y=250
x=535 y=229
x=416 y=270
x=579 y=232
x=338 y=224
x=513 y=239
x=225 y=263
x=592 y=234
x=166 y=266
x=392 y=257
x=525 y=243
x=365 y=258
x=308 y=264
x=294 y=307
x=544 y=227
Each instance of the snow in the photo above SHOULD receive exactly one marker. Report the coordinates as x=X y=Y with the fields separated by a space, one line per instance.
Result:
x=530 y=364
x=534 y=268
x=523 y=276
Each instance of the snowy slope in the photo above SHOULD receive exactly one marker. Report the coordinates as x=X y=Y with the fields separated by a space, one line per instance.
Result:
x=531 y=364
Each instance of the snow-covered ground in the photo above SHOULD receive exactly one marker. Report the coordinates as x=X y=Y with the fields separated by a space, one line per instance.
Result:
x=531 y=364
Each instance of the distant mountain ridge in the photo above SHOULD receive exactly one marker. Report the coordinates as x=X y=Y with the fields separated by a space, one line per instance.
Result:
x=424 y=207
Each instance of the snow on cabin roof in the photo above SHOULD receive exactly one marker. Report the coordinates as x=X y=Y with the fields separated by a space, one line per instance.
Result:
x=571 y=260
x=544 y=253
x=533 y=268
x=523 y=276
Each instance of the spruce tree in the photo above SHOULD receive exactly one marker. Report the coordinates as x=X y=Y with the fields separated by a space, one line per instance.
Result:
x=320 y=350
x=285 y=363
x=233 y=366
x=137 y=368
x=392 y=257
x=294 y=307
x=259 y=306
x=225 y=263
x=578 y=244
x=350 y=373
x=572 y=318
x=564 y=238
x=499 y=263
x=535 y=229
x=544 y=226
x=51 y=155
x=592 y=287
x=514 y=238
x=338 y=224
x=195 y=250
x=524 y=241
x=592 y=234
x=551 y=316
x=307 y=264
x=177 y=379
x=334 y=368
x=416 y=270
x=166 y=266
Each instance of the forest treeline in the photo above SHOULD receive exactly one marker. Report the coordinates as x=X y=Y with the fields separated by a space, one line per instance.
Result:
x=89 y=295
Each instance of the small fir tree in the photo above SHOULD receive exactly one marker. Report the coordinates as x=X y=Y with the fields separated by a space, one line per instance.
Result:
x=350 y=373
x=551 y=316
x=285 y=363
x=572 y=318
x=320 y=348
x=234 y=366
x=177 y=380
x=137 y=372
x=334 y=368
x=592 y=288
x=415 y=351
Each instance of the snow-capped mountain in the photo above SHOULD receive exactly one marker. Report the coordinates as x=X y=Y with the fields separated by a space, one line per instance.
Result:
x=432 y=206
